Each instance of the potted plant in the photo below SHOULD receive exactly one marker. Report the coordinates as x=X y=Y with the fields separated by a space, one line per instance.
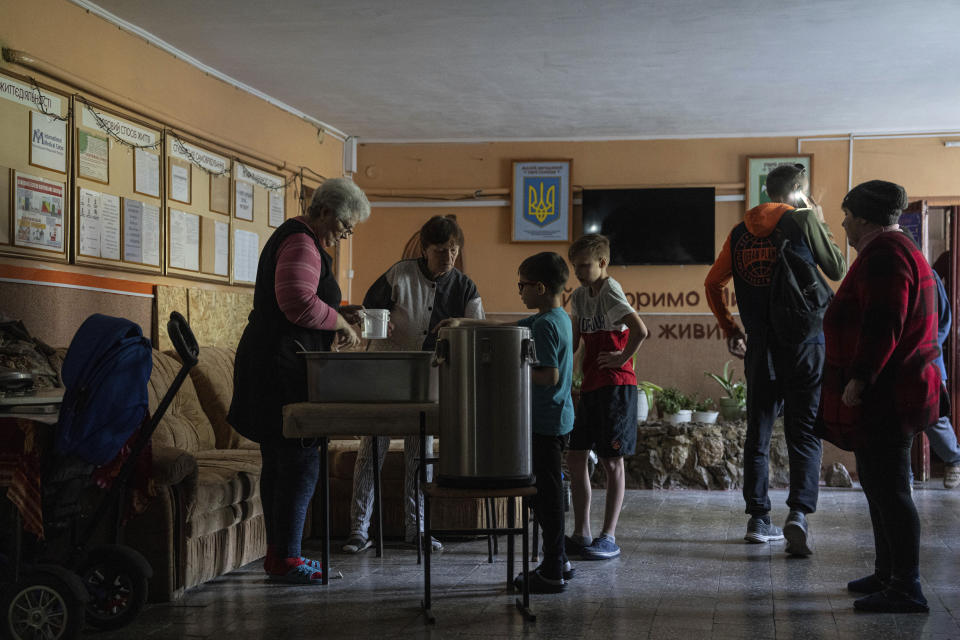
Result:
x=645 y=399
x=705 y=411
x=672 y=405
x=731 y=406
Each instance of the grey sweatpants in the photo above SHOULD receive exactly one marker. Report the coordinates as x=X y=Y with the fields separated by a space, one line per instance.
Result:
x=361 y=506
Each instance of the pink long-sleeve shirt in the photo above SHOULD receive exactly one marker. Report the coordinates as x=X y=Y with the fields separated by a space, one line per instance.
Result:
x=299 y=268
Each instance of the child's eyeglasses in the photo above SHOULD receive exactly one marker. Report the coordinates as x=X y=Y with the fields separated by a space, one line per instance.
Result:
x=522 y=283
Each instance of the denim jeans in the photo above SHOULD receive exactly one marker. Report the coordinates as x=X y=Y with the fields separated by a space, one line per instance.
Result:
x=787 y=378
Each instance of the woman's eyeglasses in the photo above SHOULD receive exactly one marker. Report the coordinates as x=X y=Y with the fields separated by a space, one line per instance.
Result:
x=345 y=231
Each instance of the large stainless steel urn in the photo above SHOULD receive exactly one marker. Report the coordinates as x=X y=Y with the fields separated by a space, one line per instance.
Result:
x=485 y=428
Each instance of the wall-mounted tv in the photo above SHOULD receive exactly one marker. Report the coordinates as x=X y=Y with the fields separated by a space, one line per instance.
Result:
x=653 y=226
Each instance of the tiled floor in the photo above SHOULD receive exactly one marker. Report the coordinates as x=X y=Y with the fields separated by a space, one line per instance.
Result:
x=685 y=573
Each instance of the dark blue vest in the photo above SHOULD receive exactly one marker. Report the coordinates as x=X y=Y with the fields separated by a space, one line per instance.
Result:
x=752 y=259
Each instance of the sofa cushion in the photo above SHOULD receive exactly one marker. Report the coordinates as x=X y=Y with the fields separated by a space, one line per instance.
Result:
x=213 y=521
x=225 y=477
x=213 y=379
x=184 y=425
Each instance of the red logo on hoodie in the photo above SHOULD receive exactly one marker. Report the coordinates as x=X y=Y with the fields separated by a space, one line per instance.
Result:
x=753 y=259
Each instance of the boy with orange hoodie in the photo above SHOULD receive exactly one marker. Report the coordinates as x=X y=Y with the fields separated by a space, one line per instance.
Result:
x=779 y=375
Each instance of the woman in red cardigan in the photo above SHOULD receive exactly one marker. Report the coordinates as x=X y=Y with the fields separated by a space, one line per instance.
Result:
x=880 y=385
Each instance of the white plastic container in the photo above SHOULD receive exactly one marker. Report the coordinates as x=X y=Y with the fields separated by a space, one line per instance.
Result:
x=680 y=417
x=375 y=323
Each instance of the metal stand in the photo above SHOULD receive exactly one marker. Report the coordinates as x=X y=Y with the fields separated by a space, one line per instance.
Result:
x=511 y=530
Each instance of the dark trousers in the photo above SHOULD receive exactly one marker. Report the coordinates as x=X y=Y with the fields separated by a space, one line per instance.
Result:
x=884 y=470
x=783 y=377
x=548 y=507
x=287 y=481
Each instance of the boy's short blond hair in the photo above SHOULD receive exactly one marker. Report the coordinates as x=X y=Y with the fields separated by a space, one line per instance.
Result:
x=593 y=244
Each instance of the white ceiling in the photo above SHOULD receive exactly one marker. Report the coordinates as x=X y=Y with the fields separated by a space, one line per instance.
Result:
x=573 y=69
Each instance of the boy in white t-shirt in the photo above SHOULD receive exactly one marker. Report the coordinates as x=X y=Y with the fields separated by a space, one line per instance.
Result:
x=606 y=419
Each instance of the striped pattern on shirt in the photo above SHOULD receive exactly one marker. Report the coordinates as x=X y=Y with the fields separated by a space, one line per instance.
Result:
x=299 y=268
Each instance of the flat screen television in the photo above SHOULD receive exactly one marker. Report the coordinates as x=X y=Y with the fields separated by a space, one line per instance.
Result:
x=653 y=226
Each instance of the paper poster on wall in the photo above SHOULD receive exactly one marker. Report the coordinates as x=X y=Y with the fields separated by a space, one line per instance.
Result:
x=146 y=173
x=150 y=238
x=220 y=194
x=184 y=240
x=275 y=218
x=246 y=247
x=244 y=199
x=93 y=157
x=48 y=142
x=38 y=221
x=132 y=230
x=221 y=248
x=109 y=226
x=89 y=213
x=180 y=183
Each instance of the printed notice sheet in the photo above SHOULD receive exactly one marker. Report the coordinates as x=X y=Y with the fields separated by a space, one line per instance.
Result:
x=276 y=208
x=38 y=221
x=132 y=230
x=109 y=226
x=221 y=248
x=146 y=177
x=246 y=245
x=184 y=240
x=180 y=183
x=244 y=199
x=93 y=158
x=89 y=207
x=150 y=238
x=48 y=142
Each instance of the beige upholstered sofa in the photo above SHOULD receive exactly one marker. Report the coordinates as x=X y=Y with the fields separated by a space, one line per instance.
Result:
x=206 y=518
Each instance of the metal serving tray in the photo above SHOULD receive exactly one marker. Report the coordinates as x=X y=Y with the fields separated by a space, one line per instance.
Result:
x=371 y=376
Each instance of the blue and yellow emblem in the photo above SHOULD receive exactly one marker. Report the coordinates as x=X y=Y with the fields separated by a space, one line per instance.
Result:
x=542 y=199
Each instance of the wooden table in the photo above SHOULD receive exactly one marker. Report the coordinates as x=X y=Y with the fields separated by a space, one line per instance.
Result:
x=326 y=420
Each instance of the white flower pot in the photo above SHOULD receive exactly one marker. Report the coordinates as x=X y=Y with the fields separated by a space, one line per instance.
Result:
x=706 y=417
x=643 y=408
x=679 y=417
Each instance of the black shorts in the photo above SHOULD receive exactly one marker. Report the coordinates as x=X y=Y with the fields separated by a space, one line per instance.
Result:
x=607 y=421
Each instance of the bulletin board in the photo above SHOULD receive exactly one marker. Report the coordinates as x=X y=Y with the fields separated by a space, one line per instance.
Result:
x=119 y=188
x=259 y=206
x=198 y=209
x=34 y=167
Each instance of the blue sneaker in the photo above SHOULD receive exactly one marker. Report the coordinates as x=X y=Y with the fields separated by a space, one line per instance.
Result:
x=602 y=548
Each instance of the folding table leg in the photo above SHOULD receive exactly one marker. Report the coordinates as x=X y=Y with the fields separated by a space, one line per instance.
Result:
x=511 y=524
x=427 y=611
x=377 y=506
x=325 y=490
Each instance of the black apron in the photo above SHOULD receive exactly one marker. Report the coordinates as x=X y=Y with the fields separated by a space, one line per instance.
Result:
x=267 y=372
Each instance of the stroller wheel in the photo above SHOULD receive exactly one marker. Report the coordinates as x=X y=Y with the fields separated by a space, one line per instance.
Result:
x=46 y=603
x=116 y=579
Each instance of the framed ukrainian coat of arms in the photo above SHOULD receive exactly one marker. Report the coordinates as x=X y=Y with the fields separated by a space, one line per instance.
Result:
x=542 y=197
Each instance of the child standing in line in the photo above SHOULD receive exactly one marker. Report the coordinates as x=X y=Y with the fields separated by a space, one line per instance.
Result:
x=541 y=281
x=607 y=416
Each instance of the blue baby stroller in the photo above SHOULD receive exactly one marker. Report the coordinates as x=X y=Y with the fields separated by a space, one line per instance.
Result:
x=51 y=588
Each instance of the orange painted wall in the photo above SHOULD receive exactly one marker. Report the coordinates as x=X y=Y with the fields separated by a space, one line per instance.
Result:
x=86 y=49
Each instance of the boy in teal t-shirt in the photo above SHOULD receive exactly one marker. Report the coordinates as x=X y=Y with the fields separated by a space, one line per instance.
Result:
x=541 y=281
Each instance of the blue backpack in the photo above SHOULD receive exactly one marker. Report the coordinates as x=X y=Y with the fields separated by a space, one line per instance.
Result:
x=105 y=372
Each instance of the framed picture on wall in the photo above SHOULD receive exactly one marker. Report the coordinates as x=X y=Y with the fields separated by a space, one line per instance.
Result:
x=759 y=166
x=542 y=197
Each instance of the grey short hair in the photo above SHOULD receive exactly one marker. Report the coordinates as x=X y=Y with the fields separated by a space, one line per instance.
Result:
x=341 y=197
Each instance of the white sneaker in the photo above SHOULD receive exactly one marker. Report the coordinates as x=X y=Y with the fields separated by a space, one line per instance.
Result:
x=951 y=476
